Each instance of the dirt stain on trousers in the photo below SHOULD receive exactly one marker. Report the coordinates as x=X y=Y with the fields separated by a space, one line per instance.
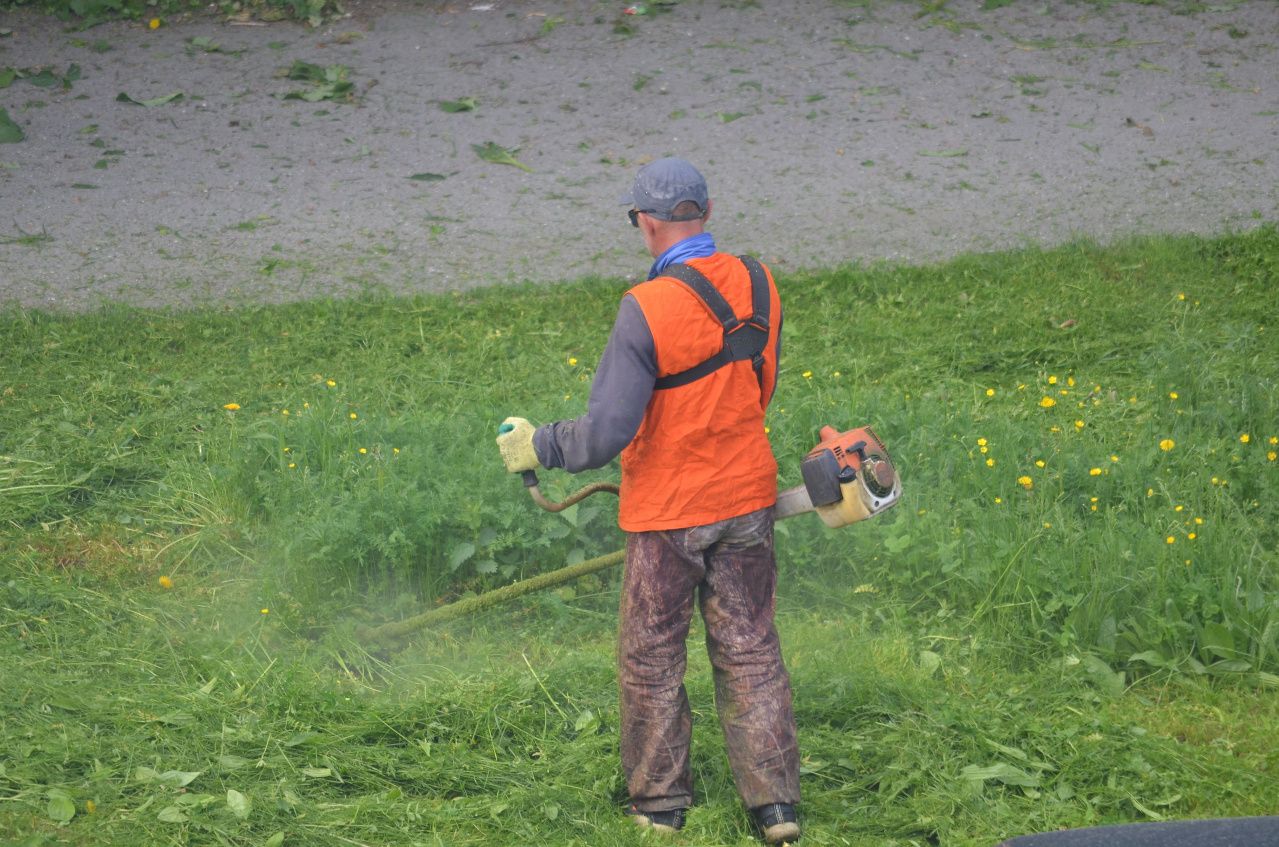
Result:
x=729 y=568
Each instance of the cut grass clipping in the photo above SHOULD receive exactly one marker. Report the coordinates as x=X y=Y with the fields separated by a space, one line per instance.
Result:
x=10 y=132
x=1070 y=619
x=327 y=83
x=490 y=151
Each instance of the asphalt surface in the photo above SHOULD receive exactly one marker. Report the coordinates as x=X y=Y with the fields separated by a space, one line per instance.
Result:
x=830 y=132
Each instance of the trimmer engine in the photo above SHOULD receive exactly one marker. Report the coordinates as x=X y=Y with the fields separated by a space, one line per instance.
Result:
x=848 y=477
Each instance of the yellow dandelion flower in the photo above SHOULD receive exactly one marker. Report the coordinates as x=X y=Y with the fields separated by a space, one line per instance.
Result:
x=395 y=450
x=1150 y=492
x=1271 y=455
x=1274 y=439
x=1114 y=458
x=767 y=430
x=1039 y=463
x=990 y=463
x=807 y=374
x=984 y=450
x=231 y=407
x=1093 y=507
x=1181 y=295
x=154 y=23
x=166 y=582
x=1171 y=540
x=835 y=374
x=572 y=360
x=1047 y=525
x=981 y=442
x=990 y=392
x=1191 y=536
x=998 y=500
x=1092 y=499
x=292 y=465
x=1070 y=380
x=266 y=611
x=1052 y=380
x=330 y=383
x=1199 y=521
x=364 y=451
x=1178 y=508
x=306 y=405
x=1054 y=429
x=1047 y=402
x=1026 y=482
x=1172 y=395
x=1167 y=444
x=1094 y=472
x=1245 y=438
x=354 y=416
x=1079 y=424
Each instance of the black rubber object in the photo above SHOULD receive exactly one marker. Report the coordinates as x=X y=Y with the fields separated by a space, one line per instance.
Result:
x=1223 y=832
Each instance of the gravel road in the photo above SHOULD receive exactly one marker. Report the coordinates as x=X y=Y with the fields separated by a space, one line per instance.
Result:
x=830 y=132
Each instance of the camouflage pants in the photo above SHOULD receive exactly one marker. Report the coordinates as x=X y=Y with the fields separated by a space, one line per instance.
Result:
x=729 y=567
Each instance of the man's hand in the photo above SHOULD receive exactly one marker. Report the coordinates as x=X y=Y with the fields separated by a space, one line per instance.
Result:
x=515 y=441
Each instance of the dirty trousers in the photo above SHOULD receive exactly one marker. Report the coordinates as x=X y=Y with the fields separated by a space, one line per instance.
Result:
x=729 y=566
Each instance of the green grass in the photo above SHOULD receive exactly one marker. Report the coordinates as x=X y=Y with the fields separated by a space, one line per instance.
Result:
x=986 y=660
x=85 y=14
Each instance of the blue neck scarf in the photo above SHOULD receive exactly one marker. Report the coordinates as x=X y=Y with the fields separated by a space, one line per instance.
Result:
x=694 y=247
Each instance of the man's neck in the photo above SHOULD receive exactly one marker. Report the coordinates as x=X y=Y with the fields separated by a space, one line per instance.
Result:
x=672 y=235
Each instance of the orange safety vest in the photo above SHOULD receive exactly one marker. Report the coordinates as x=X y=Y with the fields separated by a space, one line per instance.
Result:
x=701 y=454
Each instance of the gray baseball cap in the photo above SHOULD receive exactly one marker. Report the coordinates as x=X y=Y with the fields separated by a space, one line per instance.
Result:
x=662 y=185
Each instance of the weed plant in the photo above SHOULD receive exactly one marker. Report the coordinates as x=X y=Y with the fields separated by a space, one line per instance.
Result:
x=1072 y=618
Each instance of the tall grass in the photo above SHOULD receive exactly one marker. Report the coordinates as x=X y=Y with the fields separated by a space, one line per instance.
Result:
x=360 y=454
x=1072 y=617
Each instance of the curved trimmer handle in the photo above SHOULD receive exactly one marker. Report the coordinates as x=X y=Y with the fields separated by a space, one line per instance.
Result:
x=535 y=491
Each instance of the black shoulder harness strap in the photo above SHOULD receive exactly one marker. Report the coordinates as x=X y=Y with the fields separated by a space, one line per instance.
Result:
x=742 y=339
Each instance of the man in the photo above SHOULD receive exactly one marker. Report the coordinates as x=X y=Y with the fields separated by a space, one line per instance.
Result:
x=699 y=483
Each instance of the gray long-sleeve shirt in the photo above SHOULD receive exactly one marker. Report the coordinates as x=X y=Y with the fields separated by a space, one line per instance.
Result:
x=619 y=395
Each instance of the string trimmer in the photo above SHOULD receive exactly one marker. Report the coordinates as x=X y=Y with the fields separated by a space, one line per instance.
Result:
x=848 y=477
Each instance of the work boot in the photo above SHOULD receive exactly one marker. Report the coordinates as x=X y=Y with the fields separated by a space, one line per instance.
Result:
x=777 y=822
x=668 y=821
